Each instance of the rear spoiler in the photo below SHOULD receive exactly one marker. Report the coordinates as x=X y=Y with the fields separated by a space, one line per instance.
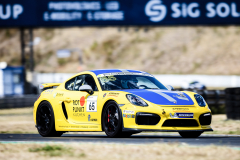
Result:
x=48 y=86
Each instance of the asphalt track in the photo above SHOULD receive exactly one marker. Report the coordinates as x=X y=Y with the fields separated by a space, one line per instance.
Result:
x=233 y=141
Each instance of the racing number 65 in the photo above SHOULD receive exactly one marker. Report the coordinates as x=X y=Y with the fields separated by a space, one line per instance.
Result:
x=91 y=106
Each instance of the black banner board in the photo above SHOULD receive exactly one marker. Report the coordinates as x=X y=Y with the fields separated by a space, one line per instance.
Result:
x=63 y=13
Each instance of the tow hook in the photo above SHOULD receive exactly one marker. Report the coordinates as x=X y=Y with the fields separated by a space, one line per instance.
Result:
x=163 y=112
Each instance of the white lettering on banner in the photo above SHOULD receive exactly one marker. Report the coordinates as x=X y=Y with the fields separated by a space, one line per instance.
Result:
x=59 y=11
x=113 y=5
x=17 y=10
x=222 y=10
x=193 y=14
x=176 y=11
x=234 y=10
x=5 y=12
x=211 y=10
x=74 y=6
x=63 y=16
x=155 y=10
x=102 y=15
x=185 y=10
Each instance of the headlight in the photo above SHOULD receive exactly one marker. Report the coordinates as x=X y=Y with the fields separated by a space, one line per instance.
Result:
x=136 y=100
x=200 y=100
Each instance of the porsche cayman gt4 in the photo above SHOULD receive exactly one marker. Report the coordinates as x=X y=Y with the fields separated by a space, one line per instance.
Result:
x=120 y=103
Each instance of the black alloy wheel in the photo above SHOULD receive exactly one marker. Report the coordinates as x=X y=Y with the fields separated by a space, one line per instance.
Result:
x=112 y=120
x=190 y=134
x=45 y=121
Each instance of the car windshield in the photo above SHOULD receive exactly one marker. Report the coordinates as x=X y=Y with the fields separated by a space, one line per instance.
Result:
x=124 y=80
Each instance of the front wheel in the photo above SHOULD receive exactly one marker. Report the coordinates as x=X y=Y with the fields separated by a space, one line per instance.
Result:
x=45 y=121
x=190 y=134
x=112 y=120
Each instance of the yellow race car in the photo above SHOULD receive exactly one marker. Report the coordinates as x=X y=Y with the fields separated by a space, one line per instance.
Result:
x=121 y=103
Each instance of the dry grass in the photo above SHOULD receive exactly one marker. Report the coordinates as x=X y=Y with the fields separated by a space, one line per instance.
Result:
x=160 y=50
x=116 y=152
x=221 y=125
x=21 y=121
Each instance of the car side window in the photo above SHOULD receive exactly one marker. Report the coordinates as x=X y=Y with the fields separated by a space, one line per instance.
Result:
x=78 y=82
x=88 y=80
x=70 y=84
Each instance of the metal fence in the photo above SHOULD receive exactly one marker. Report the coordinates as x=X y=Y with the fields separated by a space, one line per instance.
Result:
x=233 y=103
x=18 y=101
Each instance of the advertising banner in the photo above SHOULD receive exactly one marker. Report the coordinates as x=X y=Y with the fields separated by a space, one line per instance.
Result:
x=57 y=13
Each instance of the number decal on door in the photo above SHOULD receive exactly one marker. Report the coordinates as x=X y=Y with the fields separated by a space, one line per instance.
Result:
x=92 y=104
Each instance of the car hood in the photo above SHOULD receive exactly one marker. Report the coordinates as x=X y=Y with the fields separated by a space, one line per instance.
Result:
x=162 y=97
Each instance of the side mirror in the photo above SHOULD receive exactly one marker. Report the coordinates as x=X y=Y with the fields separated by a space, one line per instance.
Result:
x=86 y=88
x=170 y=88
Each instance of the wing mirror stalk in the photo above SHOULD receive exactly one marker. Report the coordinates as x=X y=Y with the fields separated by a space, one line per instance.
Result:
x=170 y=88
x=86 y=88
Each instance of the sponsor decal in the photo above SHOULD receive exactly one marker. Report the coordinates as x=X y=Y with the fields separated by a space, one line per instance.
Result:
x=92 y=104
x=112 y=94
x=82 y=100
x=104 y=95
x=49 y=91
x=57 y=95
x=78 y=111
x=107 y=79
x=123 y=73
x=91 y=119
x=128 y=116
x=181 y=115
x=76 y=102
x=78 y=126
x=181 y=96
x=128 y=112
x=180 y=109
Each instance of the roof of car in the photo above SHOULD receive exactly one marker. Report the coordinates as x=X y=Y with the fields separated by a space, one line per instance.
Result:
x=101 y=71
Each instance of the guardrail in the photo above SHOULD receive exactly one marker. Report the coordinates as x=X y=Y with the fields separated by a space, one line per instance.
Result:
x=233 y=103
x=17 y=101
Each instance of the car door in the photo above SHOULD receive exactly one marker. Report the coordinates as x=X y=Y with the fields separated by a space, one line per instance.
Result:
x=81 y=106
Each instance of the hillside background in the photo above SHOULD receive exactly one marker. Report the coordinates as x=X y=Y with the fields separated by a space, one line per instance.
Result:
x=165 y=50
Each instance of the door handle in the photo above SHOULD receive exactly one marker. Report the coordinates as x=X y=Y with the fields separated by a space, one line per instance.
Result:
x=68 y=100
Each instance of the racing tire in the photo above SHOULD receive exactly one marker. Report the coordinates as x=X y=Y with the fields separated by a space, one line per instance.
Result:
x=190 y=134
x=112 y=120
x=45 y=121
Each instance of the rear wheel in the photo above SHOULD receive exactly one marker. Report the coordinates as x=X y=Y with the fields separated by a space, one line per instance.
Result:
x=112 y=120
x=45 y=121
x=190 y=134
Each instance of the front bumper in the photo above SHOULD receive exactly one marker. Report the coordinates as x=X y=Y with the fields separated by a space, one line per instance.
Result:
x=130 y=124
x=162 y=130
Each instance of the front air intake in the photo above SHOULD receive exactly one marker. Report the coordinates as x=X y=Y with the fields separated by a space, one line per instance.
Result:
x=147 y=118
x=205 y=119
x=180 y=123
